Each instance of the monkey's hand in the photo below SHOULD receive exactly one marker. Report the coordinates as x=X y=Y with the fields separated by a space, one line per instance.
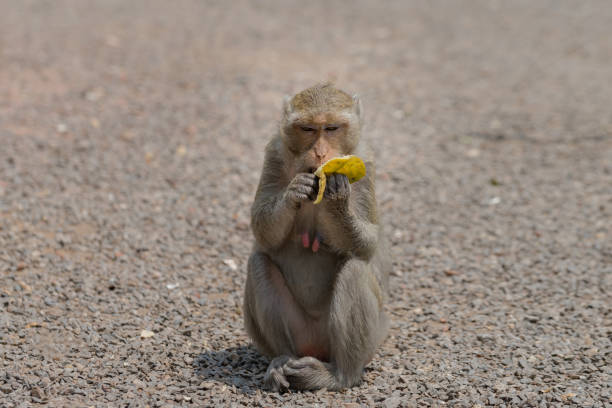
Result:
x=338 y=188
x=303 y=187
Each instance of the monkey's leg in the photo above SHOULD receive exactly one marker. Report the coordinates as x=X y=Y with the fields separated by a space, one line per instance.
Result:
x=272 y=316
x=357 y=325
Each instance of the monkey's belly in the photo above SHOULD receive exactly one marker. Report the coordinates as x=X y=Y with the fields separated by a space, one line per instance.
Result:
x=306 y=273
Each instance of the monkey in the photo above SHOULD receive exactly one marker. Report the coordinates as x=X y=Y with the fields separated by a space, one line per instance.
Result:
x=318 y=275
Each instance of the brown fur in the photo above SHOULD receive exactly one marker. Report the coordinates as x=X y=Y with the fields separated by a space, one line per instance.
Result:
x=318 y=274
x=321 y=98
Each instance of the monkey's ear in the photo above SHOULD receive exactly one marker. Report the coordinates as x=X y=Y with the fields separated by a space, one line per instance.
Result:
x=357 y=106
x=287 y=108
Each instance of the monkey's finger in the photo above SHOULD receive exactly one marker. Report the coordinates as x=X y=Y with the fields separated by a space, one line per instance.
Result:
x=310 y=176
x=344 y=185
x=343 y=179
x=304 y=189
x=301 y=181
x=302 y=196
x=332 y=186
x=306 y=178
x=315 y=190
x=298 y=188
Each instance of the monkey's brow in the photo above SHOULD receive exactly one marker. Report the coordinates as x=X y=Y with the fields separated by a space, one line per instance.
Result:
x=320 y=124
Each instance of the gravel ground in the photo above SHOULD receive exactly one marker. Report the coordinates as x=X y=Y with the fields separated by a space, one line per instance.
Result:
x=131 y=137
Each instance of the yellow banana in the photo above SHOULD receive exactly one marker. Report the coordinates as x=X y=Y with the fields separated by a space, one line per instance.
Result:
x=351 y=166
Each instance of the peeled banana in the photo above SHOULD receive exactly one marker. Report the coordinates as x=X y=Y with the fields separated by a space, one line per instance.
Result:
x=351 y=166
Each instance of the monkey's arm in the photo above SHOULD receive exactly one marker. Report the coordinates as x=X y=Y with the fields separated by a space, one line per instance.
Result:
x=351 y=223
x=276 y=203
x=271 y=217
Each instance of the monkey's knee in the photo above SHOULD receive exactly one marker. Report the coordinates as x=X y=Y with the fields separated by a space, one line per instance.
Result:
x=269 y=307
x=255 y=321
x=357 y=281
x=266 y=277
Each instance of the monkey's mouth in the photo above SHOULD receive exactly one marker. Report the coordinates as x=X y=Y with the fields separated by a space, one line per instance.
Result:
x=311 y=170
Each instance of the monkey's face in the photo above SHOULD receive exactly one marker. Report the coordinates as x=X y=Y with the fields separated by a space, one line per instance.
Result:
x=314 y=139
x=318 y=124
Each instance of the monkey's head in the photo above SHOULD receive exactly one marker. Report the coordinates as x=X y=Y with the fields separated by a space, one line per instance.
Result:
x=320 y=123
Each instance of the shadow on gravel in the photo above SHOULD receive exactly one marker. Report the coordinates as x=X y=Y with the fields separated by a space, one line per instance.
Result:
x=242 y=367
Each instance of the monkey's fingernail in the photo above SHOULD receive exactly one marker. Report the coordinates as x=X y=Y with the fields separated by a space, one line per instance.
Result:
x=305 y=240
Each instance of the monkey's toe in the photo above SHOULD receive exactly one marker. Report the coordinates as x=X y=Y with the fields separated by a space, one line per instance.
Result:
x=308 y=373
x=302 y=363
x=275 y=380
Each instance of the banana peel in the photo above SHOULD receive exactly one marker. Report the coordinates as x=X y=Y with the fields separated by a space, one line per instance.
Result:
x=351 y=166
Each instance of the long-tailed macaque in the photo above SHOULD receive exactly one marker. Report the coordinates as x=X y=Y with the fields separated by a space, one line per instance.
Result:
x=318 y=274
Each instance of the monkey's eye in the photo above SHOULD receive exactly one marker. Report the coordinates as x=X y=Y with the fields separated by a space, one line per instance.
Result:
x=307 y=129
x=331 y=128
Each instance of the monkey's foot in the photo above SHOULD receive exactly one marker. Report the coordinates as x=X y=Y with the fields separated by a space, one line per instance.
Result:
x=308 y=373
x=275 y=380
